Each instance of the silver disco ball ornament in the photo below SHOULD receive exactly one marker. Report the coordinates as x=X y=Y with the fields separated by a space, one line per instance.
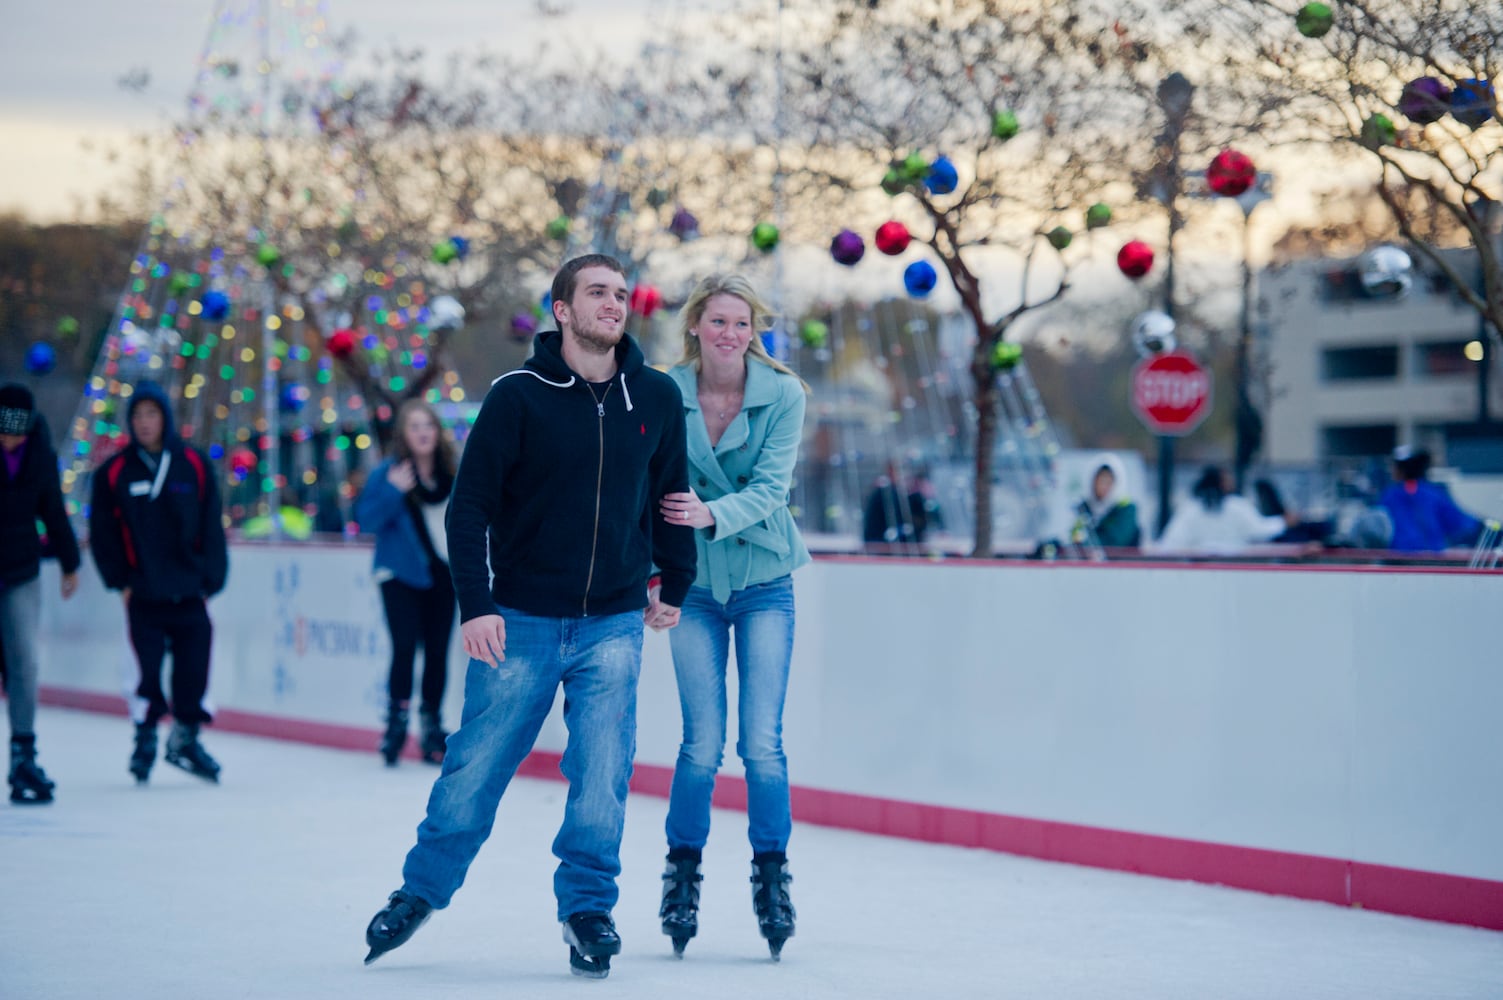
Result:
x=1153 y=333
x=445 y=313
x=1386 y=272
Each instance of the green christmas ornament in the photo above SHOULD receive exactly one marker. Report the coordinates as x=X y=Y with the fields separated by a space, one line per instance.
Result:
x=1004 y=124
x=1098 y=215
x=67 y=326
x=657 y=197
x=178 y=285
x=1379 y=130
x=914 y=167
x=267 y=255
x=1005 y=356
x=1060 y=237
x=558 y=229
x=814 y=333
x=765 y=237
x=1313 y=20
x=445 y=252
x=893 y=182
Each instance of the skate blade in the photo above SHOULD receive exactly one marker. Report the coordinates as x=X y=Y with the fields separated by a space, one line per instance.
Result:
x=212 y=777
x=588 y=968
x=30 y=798
x=679 y=944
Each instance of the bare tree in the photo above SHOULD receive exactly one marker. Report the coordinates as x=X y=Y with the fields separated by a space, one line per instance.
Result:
x=1037 y=110
x=1406 y=85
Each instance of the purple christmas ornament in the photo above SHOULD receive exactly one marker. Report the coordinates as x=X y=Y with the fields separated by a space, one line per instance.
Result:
x=1425 y=100
x=847 y=248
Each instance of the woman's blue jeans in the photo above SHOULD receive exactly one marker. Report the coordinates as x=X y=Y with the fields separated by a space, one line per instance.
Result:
x=762 y=618
x=597 y=660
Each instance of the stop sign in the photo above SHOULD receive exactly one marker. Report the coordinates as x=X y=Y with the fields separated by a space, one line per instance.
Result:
x=1171 y=393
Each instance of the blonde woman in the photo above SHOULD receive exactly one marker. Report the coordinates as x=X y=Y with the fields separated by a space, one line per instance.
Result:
x=744 y=415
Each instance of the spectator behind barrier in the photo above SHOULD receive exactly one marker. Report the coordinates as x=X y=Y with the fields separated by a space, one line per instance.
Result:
x=1424 y=516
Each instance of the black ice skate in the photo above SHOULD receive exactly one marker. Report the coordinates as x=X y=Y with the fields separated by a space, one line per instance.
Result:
x=775 y=914
x=403 y=914
x=184 y=751
x=680 y=909
x=395 y=736
x=145 y=754
x=592 y=940
x=29 y=784
x=433 y=737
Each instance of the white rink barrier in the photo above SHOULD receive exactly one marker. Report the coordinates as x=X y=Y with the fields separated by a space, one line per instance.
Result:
x=1327 y=733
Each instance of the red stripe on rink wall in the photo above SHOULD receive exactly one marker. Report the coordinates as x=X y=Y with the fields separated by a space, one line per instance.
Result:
x=1429 y=895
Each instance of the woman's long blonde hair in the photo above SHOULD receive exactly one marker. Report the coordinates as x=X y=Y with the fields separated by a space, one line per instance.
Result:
x=738 y=286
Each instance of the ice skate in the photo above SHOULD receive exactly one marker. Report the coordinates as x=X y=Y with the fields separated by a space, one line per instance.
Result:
x=680 y=909
x=184 y=751
x=433 y=738
x=395 y=736
x=592 y=940
x=145 y=754
x=29 y=784
x=770 y=898
x=398 y=920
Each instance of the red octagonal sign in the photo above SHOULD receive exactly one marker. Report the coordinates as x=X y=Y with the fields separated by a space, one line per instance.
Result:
x=1171 y=393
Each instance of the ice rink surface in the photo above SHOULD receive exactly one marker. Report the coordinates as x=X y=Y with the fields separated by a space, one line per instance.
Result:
x=261 y=888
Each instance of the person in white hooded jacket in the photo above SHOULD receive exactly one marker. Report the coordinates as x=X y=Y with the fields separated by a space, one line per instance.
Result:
x=1218 y=521
x=1106 y=508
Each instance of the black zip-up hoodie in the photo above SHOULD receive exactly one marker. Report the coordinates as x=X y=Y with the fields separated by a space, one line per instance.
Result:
x=34 y=493
x=158 y=533
x=565 y=478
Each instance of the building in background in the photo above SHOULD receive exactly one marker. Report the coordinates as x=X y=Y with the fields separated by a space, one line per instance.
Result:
x=1354 y=368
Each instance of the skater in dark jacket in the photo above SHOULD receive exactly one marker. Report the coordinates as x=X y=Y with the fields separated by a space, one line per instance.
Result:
x=561 y=481
x=157 y=537
x=29 y=492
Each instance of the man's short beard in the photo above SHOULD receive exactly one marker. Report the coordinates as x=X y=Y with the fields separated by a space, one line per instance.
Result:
x=596 y=343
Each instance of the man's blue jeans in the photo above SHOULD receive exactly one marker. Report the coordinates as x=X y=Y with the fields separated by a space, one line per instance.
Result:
x=597 y=660
x=762 y=617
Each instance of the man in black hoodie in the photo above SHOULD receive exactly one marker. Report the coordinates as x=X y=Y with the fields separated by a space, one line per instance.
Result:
x=157 y=537
x=562 y=475
x=29 y=491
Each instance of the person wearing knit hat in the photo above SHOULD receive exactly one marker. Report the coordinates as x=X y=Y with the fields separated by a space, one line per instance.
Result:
x=29 y=491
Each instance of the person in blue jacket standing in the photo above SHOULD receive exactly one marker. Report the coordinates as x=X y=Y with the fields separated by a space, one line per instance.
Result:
x=403 y=504
x=1425 y=518
x=745 y=418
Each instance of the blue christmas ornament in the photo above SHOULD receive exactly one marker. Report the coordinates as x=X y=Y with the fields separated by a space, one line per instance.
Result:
x=547 y=303
x=942 y=176
x=919 y=278
x=1472 y=102
x=216 y=306
x=294 y=397
x=461 y=246
x=40 y=358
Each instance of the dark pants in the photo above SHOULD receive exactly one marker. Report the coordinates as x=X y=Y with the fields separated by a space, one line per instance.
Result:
x=182 y=627
x=419 y=616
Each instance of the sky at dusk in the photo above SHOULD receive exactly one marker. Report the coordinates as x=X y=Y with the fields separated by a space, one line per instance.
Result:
x=61 y=64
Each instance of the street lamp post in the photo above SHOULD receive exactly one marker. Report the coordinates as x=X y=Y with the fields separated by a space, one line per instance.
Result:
x=1249 y=423
x=1175 y=94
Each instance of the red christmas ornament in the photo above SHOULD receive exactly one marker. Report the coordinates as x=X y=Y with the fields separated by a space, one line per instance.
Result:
x=1135 y=259
x=242 y=462
x=646 y=300
x=341 y=342
x=1231 y=173
x=893 y=238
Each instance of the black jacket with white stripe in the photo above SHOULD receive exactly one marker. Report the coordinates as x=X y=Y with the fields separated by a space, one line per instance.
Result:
x=563 y=478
